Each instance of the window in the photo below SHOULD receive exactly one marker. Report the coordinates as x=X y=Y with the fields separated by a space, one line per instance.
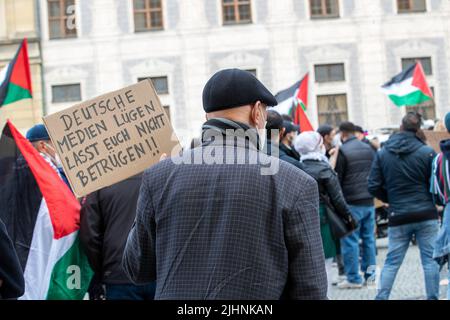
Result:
x=426 y=64
x=160 y=83
x=408 y=6
x=332 y=109
x=329 y=72
x=236 y=11
x=147 y=15
x=66 y=93
x=61 y=19
x=324 y=8
x=427 y=109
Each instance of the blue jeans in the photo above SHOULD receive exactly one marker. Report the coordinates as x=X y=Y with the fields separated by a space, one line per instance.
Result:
x=399 y=240
x=130 y=291
x=365 y=215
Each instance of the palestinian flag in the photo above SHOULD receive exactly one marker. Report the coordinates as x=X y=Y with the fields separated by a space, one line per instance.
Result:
x=294 y=101
x=42 y=217
x=408 y=88
x=15 y=78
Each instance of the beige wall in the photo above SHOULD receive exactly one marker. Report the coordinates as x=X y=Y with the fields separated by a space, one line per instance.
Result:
x=18 y=20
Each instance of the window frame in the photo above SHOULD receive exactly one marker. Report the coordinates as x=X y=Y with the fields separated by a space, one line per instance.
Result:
x=324 y=14
x=329 y=65
x=52 y=86
x=62 y=18
x=419 y=58
x=148 y=12
x=411 y=10
x=235 y=5
x=155 y=77
x=347 y=110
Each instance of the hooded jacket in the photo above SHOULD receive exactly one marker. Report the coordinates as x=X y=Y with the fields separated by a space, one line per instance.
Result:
x=400 y=176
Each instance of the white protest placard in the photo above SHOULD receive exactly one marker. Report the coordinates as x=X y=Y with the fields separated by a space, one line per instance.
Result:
x=110 y=138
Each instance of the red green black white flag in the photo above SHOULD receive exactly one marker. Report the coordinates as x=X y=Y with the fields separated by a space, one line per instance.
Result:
x=15 y=78
x=293 y=101
x=408 y=88
x=42 y=218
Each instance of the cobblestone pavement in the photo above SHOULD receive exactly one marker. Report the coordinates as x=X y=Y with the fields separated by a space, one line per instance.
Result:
x=409 y=284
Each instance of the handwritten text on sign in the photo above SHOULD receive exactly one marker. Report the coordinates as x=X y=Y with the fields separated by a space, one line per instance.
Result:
x=110 y=138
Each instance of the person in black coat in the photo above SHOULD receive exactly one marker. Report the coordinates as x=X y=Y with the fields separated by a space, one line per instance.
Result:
x=106 y=218
x=275 y=127
x=353 y=168
x=287 y=151
x=12 y=283
x=315 y=163
x=244 y=226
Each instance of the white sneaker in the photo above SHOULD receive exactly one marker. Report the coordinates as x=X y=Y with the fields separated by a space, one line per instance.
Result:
x=338 y=280
x=349 y=285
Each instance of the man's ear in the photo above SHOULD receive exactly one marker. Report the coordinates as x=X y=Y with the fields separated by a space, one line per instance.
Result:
x=206 y=116
x=254 y=113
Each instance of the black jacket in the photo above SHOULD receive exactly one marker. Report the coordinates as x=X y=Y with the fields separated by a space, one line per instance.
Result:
x=289 y=155
x=329 y=188
x=11 y=274
x=400 y=176
x=285 y=154
x=353 y=168
x=106 y=219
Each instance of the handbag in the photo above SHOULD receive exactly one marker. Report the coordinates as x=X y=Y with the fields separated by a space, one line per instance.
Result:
x=339 y=227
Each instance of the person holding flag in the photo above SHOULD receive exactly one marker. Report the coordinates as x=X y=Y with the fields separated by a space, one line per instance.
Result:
x=42 y=218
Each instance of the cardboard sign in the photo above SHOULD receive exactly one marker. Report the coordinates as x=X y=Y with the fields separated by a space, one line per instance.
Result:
x=435 y=137
x=112 y=137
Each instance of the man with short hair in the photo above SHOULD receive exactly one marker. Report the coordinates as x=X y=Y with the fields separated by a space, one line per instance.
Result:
x=328 y=133
x=290 y=131
x=225 y=228
x=400 y=177
x=353 y=168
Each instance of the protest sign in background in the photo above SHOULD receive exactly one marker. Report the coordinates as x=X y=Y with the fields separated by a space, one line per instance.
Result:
x=112 y=137
x=435 y=137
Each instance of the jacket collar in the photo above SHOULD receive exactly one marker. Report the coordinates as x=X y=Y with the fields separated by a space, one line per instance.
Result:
x=349 y=139
x=288 y=151
x=221 y=131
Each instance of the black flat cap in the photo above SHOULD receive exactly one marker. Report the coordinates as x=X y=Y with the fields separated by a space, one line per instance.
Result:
x=290 y=127
x=232 y=88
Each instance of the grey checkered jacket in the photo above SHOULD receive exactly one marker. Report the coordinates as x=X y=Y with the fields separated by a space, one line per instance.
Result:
x=225 y=231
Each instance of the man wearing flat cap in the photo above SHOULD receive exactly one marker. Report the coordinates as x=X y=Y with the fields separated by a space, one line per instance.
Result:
x=228 y=229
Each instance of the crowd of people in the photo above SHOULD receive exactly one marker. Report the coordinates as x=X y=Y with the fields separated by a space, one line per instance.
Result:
x=225 y=231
